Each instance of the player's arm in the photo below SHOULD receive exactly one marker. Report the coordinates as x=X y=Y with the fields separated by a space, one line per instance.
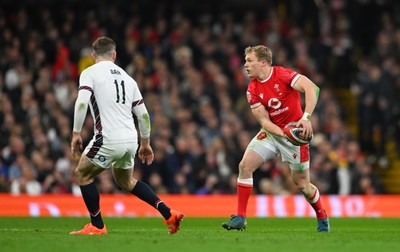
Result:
x=143 y=121
x=80 y=112
x=262 y=116
x=145 y=151
x=311 y=91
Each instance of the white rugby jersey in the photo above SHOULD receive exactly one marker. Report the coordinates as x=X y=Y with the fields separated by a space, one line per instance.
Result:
x=113 y=96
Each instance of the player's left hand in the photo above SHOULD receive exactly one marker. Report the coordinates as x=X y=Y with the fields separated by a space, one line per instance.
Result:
x=307 y=128
x=76 y=145
x=146 y=154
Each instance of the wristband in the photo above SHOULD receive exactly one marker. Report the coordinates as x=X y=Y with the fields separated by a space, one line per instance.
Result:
x=306 y=116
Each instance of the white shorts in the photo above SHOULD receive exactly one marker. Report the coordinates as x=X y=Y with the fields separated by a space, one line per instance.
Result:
x=119 y=156
x=269 y=146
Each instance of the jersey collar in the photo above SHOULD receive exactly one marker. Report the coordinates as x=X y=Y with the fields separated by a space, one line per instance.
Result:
x=270 y=74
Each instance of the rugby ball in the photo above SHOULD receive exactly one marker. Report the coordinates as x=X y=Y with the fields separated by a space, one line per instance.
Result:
x=292 y=134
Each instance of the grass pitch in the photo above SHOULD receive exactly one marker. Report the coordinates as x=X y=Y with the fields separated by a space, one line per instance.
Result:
x=200 y=234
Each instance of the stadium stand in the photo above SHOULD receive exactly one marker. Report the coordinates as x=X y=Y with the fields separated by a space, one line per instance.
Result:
x=187 y=58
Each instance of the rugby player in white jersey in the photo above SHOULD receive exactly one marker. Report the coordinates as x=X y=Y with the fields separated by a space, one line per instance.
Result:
x=112 y=95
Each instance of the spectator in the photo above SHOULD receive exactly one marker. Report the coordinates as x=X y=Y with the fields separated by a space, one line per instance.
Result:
x=191 y=71
x=364 y=181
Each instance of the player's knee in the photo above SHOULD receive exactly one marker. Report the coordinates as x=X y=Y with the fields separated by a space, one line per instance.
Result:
x=126 y=185
x=304 y=189
x=122 y=185
x=78 y=174
x=82 y=178
x=244 y=167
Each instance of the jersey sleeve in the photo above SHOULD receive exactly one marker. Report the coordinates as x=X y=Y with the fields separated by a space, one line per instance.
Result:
x=81 y=103
x=252 y=97
x=140 y=110
x=80 y=111
x=288 y=76
x=85 y=80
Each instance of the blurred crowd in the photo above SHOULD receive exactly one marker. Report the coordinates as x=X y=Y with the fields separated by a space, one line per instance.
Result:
x=188 y=62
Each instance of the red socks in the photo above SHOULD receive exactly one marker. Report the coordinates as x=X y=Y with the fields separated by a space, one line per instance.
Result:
x=243 y=194
x=245 y=187
x=316 y=203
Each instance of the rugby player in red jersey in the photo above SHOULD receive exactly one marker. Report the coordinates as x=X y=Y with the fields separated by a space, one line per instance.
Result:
x=274 y=98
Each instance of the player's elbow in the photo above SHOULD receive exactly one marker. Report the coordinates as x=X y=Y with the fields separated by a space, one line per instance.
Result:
x=316 y=90
x=144 y=119
x=79 y=106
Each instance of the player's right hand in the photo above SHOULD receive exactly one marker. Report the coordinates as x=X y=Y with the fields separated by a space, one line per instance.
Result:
x=307 y=128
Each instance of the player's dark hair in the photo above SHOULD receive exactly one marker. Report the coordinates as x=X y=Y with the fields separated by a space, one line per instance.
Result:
x=103 y=46
x=262 y=52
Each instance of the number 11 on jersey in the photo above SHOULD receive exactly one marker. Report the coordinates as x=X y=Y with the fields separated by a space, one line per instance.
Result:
x=123 y=91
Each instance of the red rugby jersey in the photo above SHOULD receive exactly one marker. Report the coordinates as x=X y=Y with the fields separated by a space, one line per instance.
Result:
x=277 y=95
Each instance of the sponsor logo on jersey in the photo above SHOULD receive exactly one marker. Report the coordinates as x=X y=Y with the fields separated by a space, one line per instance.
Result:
x=274 y=103
x=279 y=111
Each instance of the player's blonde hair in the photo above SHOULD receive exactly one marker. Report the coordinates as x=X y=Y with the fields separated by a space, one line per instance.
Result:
x=262 y=52
x=103 y=46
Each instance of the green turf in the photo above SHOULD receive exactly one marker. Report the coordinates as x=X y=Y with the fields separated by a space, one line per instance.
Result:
x=200 y=234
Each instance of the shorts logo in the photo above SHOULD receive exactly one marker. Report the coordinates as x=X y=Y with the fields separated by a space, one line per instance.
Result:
x=261 y=135
x=102 y=158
